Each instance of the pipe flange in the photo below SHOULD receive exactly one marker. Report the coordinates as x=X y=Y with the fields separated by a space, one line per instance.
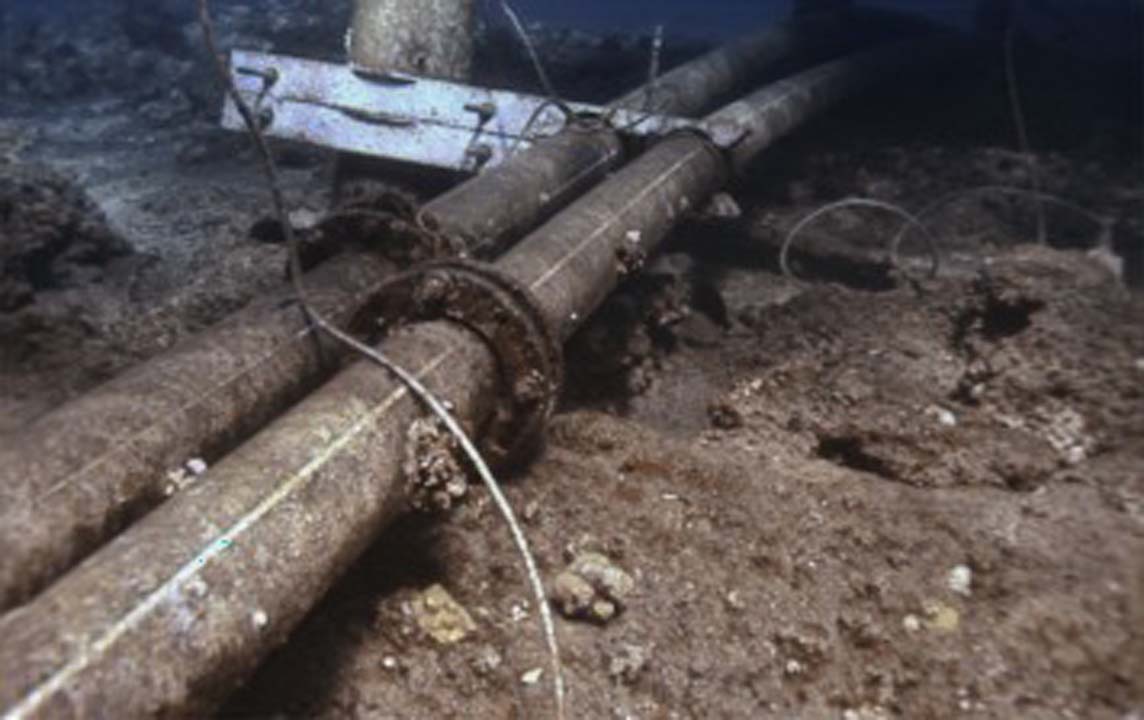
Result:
x=505 y=315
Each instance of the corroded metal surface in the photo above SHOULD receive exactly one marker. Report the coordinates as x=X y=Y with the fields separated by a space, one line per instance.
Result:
x=176 y=609
x=428 y=37
x=505 y=315
x=574 y=261
x=81 y=473
x=539 y=180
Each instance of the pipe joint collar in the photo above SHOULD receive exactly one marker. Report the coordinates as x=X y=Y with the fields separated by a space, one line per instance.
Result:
x=507 y=317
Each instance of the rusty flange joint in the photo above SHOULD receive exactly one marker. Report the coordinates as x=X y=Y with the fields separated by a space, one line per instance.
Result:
x=506 y=316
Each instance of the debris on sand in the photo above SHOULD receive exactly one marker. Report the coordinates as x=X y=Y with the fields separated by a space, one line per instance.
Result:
x=436 y=480
x=53 y=235
x=941 y=617
x=441 y=617
x=960 y=580
x=592 y=588
x=627 y=662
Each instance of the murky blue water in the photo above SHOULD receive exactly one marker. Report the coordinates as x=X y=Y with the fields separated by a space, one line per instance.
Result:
x=720 y=18
x=1096 y=20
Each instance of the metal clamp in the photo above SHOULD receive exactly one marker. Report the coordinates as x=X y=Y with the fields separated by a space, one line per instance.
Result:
x=505 y=315
x=421 y=120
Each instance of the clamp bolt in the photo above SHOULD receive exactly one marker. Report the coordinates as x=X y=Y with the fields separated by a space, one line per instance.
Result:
x=480 y=154
x=484 y=111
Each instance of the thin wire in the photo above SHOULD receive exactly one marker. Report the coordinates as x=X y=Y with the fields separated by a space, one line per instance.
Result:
x=534 y=56
x=931 y=240
x=1019 y=117
x=653 y=68
x=415 y=386
x=941 y=202
x=532 y=119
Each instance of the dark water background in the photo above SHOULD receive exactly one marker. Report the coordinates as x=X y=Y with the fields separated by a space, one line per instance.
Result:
x=1102 y=27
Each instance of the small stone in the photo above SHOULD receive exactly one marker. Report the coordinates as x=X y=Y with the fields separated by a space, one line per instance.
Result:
x=603 y=611
x=531 y=677
x=389 y=662
x=177 y=481
x=944 y=417
x=793 y=668
x=627 y=663
x=735 y=601
x=591 y=588
x=488 y=661
x=1067 y=432
x=960 y=580
x=722 y=206
x=942 y=617
x=911 y=623
x=572 y=594
x=260 y=619
x=1140 y=364
x=441 y=617
x=531 y=511
x=196 y=467
x=1075 y=455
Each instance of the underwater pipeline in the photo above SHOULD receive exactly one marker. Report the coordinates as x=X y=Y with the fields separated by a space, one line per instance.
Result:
x=177 y=610
x=81 y=473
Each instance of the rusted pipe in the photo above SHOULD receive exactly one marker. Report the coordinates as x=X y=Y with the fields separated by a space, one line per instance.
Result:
x=300 y=500
x=84 y=471
x=688 y=90
x=174 y=612
x=573 y=262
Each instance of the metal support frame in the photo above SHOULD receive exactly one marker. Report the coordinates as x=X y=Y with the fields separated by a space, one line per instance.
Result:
x=419 y=120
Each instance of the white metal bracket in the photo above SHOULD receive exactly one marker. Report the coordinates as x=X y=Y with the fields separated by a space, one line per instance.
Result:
x=428 y=122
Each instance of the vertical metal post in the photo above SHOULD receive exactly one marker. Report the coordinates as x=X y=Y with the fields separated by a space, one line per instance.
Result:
x=431 y=38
